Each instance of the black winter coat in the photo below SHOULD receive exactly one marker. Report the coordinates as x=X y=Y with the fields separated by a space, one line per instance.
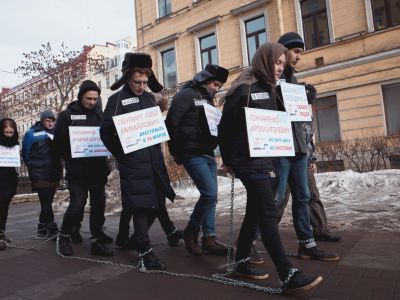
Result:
x=8 y=177
x=88 y=170
x=187 y=124
x=39 y=154
x=232 y=132
x=142 y=172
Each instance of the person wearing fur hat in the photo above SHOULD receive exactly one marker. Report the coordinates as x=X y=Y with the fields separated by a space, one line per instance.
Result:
x=8 y=176
x=84 y=175
x=293 y=170
x=193 y=146
x=145 y=183
x=44 y=167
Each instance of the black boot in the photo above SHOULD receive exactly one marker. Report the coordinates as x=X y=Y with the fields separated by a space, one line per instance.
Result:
x=151 y=261
x=4 y=237
x=52 y=231
x=174 y=237
x=64 y=245
x=3 y=244
x=246 y=270
x=98 y=248
x=76 y=235
x=42 y=229
x=191 y=237
x=105 y=239
x=296 y=283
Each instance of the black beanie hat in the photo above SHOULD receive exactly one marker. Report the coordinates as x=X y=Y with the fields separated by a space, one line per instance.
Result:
x=291 y=40
x=212 y=72
x=87 y=86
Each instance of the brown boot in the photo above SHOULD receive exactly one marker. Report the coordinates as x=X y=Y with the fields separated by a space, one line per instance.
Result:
x=190 y=236
x=210 y=245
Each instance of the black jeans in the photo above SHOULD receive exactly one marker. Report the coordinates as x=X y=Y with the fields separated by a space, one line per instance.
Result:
x=78 y=198
x=261 y=211
x=46 y=196
x=143 y=218
x=4 y=206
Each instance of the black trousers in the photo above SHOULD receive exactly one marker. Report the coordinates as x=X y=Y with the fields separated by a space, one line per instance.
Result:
x=261 y=211
x=318 y=218
x=4 y=206
x=78 y=198
x=46 y=197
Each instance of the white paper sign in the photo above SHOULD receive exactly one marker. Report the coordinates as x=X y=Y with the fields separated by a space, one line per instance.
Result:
x=141 y=129
x=213 y=116
x=9 y=156
x=85 y=142
x=296 y=104
x=269 y=133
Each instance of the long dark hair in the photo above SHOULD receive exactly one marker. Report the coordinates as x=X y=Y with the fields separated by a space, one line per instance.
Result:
x=8 y=141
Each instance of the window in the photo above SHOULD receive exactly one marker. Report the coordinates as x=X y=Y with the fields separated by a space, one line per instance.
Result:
x=169 y=68
x=208 y=50
x=386 y=13
x=99 y=84
x=391 y=102
x=255 y=35
x=115 y=77
x=326 y=120
x=315 y=23
x=164 y=8
x=107 y=81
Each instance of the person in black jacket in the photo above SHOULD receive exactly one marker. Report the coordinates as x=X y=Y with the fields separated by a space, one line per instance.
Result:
x=255 y=88
x=45 y=170
x=144 y=179
x=293 y=170
x=193 y=146
x=84 y=175
x=8 y=176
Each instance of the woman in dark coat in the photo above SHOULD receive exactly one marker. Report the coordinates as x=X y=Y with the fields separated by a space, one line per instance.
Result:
x=255 y=88
x=8 y=176
x=143 y=175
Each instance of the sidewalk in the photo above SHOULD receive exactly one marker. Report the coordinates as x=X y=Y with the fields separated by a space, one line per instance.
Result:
x=369 y=269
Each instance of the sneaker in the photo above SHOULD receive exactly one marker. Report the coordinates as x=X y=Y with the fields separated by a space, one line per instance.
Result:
x=76 y=236
x=246 y=270
x=255 y=258
x=327 y=237
x=152 y=262
x=300 y=283
x=98 y=248
x=42 y=230
x=105 y=239
x=174 y=237
x=210 y=245
x=317 y=254
x=64 y=245
x=190 y=236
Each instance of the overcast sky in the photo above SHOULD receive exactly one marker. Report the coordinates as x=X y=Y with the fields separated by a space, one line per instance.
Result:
x=26 y=24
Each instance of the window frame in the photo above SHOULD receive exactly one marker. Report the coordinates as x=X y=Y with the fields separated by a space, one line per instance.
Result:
x=243 y=35
x=197 y=38
x=317 y=135
x=160 y=51
x=382 y=85
x=158 y=9
x=388 y=16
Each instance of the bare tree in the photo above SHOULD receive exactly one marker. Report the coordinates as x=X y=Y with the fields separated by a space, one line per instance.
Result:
x=58 y=72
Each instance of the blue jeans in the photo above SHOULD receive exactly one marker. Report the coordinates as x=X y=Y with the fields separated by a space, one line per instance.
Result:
x=203 y=171
x=293 y=170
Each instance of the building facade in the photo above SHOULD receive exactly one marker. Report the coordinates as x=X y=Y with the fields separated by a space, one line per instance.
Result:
x=352 y=52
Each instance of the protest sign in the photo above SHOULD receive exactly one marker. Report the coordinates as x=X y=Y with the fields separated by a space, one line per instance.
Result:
x=85 y=142
x=9 y=156
x=141 y=129
x=213 y=116
x=269 y=133
x=296 y=104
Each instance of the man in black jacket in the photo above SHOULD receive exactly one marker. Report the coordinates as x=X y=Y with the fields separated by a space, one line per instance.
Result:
x=144 y=179
x=192 y=144
x=45 y=170
x=84 y=175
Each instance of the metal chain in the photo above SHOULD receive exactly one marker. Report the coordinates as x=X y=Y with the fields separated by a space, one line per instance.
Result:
x=230 y=268
x=37 y=247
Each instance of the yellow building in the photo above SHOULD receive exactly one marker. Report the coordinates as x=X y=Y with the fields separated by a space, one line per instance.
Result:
x=352 y=51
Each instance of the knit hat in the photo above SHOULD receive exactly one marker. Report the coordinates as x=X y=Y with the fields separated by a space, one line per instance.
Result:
x=212 y=72
x=137 y=60
x=291 y=40
x=47 y=114
x=87 y=86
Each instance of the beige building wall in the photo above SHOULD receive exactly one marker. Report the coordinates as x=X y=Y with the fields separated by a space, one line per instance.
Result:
x=355 y=65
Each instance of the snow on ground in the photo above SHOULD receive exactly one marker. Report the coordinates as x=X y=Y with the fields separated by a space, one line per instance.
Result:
x=352 y=200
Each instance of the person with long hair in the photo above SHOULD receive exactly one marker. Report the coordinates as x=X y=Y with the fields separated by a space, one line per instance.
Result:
x=8 y=176
x=255 y=88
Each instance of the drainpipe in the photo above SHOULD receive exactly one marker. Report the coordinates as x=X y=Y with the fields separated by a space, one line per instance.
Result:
x=280 y=17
